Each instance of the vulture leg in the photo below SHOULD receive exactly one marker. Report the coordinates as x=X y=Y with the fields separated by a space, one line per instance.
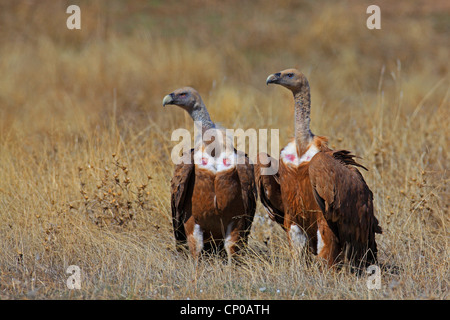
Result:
x=328 y=248
x=194 y=238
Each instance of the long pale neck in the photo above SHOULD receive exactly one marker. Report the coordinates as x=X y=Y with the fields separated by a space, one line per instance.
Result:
x=303 y=134
x=200 y=114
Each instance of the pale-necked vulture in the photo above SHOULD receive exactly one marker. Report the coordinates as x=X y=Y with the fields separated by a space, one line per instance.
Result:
x=318 y=195
x=213 y=194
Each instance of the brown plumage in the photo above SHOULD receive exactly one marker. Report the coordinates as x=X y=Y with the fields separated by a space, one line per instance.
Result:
x=325 y=202
x=269 y=189
x=213 y=196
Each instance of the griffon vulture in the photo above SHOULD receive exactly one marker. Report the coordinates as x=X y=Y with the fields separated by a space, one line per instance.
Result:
x=318 y=195
x=213 y=194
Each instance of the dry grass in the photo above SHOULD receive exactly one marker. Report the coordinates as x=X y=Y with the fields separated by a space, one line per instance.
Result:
x=85 y=142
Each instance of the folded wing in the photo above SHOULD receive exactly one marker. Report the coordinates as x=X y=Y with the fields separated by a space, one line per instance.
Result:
x=268 y=186
x=346 y=202
x=181 y=184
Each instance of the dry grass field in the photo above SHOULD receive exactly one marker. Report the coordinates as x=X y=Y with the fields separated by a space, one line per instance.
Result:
x=85 y=142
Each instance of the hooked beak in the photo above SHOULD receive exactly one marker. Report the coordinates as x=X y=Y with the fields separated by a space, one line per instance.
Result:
x=168 y=99
x=273 y=78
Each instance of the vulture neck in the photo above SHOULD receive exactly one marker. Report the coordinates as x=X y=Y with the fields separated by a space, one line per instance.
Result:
x=303 y=134
x=200 y=114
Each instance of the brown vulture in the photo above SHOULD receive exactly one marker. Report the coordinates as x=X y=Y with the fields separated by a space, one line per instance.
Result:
x=318 y=195
x=213 y=192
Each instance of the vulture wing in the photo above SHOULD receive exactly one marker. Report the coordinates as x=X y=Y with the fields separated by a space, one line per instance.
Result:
x=248 y=189
x=181 y=184
x=269 y=189
x=346 y=202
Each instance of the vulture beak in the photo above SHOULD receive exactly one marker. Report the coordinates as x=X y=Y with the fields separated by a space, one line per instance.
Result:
x=168 y=99
x=273 y=78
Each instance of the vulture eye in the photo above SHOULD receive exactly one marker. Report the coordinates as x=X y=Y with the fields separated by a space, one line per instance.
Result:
x=290 y=75
x=183 y=94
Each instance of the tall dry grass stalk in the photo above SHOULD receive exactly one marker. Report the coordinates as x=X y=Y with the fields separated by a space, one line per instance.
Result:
x=85 y=144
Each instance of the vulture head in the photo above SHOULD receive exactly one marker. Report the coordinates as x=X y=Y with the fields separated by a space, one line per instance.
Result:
x=190 y=100
x=187 y=98
x=291 y=79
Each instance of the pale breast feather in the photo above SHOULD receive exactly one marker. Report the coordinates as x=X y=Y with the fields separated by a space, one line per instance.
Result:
x=224 y=162
x=289 y=154
x=203 y=160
